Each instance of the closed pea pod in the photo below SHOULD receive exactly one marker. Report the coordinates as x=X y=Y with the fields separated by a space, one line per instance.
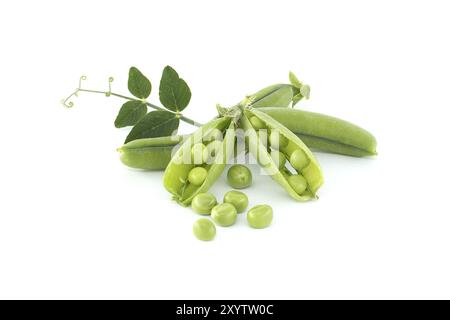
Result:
x=175 y=178
x=277 y=95
x=150 y=153
x=311 y=171
x=326 y=133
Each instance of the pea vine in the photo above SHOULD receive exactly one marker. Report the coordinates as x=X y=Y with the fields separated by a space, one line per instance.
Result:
x=174 y=95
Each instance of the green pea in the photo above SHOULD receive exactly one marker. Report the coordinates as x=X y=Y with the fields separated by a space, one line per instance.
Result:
x=238 y=199
x=298 y=183
x=214 y=147
x=224 y=214
x=204 y=229
x=212 y=135
x=203 y=203
x=263 y=137
x=277 y=140
x=239 y=176
x=199 y=153
x=260 y=216
x=279 y=158
x=257 y=123
x=298 y=159
x=197 y=176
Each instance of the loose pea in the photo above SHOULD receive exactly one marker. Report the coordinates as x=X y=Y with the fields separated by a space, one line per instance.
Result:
x=197 y=176
x=239 y=176
x=224 y=214
x=298 y=183
x=199 y=153
x=260 y=216
x=204 y=229
x=238 y=199
x=298 y=159
x=277 y=140
x=203 y=203
x=257 y=123
x=279 y=158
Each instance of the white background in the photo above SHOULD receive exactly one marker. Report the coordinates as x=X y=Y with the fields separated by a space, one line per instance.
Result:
x=76 y=223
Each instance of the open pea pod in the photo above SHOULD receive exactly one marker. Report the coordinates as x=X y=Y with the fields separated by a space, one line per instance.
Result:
x=300 y=174
x=176 y=176
x=277 y=95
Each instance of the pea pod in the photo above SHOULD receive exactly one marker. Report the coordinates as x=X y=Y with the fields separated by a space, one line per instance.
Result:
x=306 y=170
x=175 y=178
x=277 y=95
x=150 y=153
x=326 y=133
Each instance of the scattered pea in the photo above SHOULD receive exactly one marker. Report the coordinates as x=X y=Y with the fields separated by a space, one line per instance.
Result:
x=238 y=199
x=298 y=159
x=260 y=216
x=224 y=214
x=239 y=176
x=298 y=183
x=197 y=176
x=203 y=203
x=204 y=229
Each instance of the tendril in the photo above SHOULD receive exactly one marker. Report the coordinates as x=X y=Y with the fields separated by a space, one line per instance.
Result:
x=69 y=104
x=110 y=81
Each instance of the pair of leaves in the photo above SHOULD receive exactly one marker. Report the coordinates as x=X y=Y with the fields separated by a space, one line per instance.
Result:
x=132 y=111
x=174 y=94
x=300 y=90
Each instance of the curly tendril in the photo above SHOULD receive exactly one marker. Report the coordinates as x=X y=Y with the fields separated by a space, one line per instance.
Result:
x=69 y=104
x=110 y=80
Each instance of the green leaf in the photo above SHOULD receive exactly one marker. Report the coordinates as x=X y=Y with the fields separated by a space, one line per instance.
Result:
x=130 y=113
x=294 y=80
x=154 y=124
x=138 y=84
x=174 y=92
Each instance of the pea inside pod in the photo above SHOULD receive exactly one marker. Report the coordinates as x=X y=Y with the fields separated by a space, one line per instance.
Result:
x=178 y=172
x=303 y=165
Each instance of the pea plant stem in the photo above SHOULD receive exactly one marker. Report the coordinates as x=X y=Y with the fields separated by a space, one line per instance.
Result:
x=151 y=105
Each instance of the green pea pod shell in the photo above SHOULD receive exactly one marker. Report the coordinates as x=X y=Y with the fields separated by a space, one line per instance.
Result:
x=326 y=133
x=175 y=178
x=312 y=172
x=277 y=96
x=149 y=153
